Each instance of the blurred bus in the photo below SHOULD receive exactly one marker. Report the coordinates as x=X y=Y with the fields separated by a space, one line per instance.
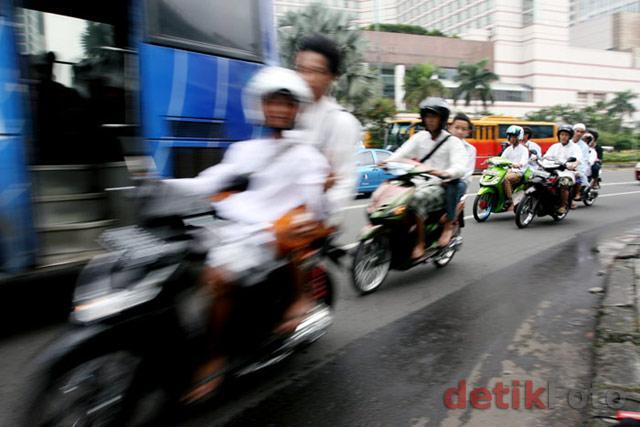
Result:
x=488 y=134
x=93 y=89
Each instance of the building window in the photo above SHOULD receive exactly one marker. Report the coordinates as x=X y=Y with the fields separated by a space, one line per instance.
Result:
x=583 y=97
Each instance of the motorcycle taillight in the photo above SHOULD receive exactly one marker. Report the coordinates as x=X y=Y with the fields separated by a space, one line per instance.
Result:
x=317 y=283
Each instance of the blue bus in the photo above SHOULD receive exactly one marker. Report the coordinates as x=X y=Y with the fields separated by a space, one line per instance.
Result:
x=91 y=91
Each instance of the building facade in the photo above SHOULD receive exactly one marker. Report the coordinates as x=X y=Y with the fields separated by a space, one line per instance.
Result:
x=30 y=31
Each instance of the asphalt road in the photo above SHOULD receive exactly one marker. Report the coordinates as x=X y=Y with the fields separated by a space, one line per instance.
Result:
x=512 y=305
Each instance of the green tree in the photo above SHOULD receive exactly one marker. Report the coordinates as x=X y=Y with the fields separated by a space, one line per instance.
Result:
x=94 y=37
x=421 y=81
x=376 y=114
x=622 y=104
x=356 y=83
x=405 y=29
x=474 y=82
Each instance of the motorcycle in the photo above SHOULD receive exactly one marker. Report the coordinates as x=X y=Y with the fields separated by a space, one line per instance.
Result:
x=139 y=327
x=543 y=192
x=491 y=198
x=388 y=241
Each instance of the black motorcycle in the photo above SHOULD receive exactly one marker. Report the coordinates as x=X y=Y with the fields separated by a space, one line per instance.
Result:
x=543 y=192
x=139 y=326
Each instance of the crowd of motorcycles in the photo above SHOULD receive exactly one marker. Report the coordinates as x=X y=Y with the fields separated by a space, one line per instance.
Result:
x=139 y=327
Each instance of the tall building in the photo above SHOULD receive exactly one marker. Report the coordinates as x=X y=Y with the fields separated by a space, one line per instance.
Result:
x=611 y=25
x=30 y=31
x=449 y=16
x=281 y=7
x=584 y=10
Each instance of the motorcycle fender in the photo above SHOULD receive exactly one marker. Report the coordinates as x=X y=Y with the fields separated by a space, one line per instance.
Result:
x=486 y=190
x=91 y=337
x=369 y=231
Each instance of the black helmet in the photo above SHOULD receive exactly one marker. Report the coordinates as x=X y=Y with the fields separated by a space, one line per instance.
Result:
x=565 y=128
x=437 y=106
x=595 y=134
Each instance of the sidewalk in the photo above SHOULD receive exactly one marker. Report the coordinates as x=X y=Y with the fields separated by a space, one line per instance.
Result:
x=616 y=371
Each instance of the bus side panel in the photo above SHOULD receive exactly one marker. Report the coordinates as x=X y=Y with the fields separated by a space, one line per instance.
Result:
x=184 y=92
x=17 y=236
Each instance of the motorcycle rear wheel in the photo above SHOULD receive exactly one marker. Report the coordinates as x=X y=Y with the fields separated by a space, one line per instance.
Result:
x=526 y=211
x=589 y=197
x=371 y=264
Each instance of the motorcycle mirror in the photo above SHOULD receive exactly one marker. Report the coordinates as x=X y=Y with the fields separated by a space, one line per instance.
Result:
x=571 y=159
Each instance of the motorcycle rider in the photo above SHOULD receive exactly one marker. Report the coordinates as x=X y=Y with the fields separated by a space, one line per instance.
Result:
x=562 y=151
x=441 y=154
x=519 y=156
x=535 y=151
x=462 y=127
x=579 y=130
x=284 y=174
x=334 y=131
x=597 y=165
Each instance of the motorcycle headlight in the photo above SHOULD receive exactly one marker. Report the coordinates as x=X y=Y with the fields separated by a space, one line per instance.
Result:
x=123 y=299
x=490 y=181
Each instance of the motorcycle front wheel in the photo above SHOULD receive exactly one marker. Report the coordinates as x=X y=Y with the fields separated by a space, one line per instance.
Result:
x=526 y=211
x=371 y=264
x=483 y=205
x=91 y=390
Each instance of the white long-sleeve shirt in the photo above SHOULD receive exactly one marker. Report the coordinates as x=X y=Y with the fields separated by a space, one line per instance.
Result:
x=563 y=152
x=471 y=161
x=518 y=155
x=336 y=133
x=451 y=157
x=285 y=174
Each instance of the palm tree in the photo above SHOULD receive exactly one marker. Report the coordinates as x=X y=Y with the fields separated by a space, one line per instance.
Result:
x=622 y=104
x=421 y=81
x=94 y=37
x=357 y=83
x=474 y=81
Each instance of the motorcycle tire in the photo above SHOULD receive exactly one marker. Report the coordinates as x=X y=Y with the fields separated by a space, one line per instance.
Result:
x=487 y=198
x=75 y=381
x=364 y=279
x=526 y=211
x=589 y=198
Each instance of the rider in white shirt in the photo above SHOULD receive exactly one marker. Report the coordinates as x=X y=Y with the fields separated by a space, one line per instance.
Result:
x=282 y=175
x=461 y=127
x=519 y=156
x=581 y=173
x=447 y=159
x=332 y=129
x=563 y=151
x=535 y=151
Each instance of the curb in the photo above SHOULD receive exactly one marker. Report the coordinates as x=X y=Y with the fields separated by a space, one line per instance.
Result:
x=616 y=371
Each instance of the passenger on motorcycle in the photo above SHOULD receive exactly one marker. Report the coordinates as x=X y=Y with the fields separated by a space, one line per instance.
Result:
x=286 y=180
x=519 y=156
x=441 y=154
x=535 y=151
x=462 y=127
x=562 y=151
x=581 y=173
x=597 y=165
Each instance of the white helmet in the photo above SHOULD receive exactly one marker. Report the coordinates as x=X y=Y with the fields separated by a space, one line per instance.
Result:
x=270 y=80
x=517 y=131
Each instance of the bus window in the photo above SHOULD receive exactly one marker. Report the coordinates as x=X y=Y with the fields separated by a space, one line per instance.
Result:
x=81 y=88
x=539 y=131
x=227 y=28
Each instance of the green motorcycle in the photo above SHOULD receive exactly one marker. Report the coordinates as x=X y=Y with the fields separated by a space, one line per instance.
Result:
x=491 y=198
x=387 y=242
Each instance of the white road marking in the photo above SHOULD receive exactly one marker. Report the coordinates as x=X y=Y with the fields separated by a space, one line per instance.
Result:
x=354 y=244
